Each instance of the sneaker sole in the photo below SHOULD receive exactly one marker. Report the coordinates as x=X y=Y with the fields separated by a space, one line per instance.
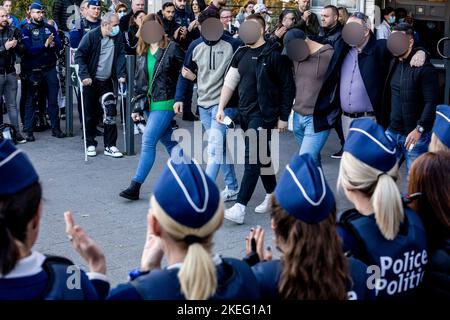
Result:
x=22 y=141
x=336 y=157
x=262 y=211
x=124 y=195
x=234 y=220
x=111 y=155
x=91 y=154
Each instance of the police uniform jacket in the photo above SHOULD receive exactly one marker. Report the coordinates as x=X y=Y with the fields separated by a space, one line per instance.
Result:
x=268 y=275
x=235 y=282
x=36 y=55
x=88 y=54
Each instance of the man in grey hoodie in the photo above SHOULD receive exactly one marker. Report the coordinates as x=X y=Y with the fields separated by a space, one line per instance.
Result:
x=310 y=61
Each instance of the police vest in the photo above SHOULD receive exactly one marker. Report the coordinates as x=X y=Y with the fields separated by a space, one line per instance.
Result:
x=39 y=35
x=396 y=267
x=235 y=281
x=268 y=275
x=59 y=286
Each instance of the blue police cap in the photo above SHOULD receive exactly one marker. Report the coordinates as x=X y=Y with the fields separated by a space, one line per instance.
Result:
x=36 y=6
x=441 y=126
x=368 y=142
x=95 y=3
x=16 y=170
x=303 y=192
x=187 y=194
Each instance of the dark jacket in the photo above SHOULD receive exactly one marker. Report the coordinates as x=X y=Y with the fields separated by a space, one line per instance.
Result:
x=313 y=26
x=130 y=40
x=275 y=83
x=165 y=75
x=436 y=281
x=36 y=55
x=418 y=96
x=8 y=57
x=124 y=22
x=333 y=34
x=169 y=26
x=88 y=54
x=373 y=62
x=62 y=12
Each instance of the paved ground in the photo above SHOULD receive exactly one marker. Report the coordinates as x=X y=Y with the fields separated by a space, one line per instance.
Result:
x=91 y=191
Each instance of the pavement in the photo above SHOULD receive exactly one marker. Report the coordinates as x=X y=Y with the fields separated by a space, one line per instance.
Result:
x=90 y=190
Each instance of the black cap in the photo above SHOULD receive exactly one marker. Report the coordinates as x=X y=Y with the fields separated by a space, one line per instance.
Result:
x=291 y=35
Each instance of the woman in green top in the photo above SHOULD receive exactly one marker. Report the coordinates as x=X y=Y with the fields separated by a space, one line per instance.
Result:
x=158 y=66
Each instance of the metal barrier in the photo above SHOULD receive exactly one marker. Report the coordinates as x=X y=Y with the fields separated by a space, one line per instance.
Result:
x=72 y=82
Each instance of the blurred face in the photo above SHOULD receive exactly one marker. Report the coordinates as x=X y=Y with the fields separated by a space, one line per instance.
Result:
x=225 y=18
x=359 y=21
x=3 y=18
x=180 y=4
x=328 y=18
x=303 y=5
x=249 y=8
x=8 y=6
x=288 y=20
x=195 y=7
x=93 y=12
x=37 y=15
x=137 y=5
x=168 y=13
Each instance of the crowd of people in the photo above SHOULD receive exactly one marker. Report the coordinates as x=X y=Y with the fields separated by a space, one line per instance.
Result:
x=379 y=91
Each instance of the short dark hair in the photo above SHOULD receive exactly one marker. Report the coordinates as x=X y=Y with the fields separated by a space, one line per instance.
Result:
x=258 y=18
x=334 y=9
x=208 y=13
x=404 y=27
x=225 y=9
x=249 y=2
x=167 y=4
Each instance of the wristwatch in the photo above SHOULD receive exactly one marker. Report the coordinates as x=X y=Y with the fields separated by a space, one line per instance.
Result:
x=420 y=129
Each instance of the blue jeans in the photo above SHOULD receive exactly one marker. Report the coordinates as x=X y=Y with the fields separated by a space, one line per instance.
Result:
x=217 y=145
x=403 y=154
x=34 y=81
x=158 y=128
x=310 y=142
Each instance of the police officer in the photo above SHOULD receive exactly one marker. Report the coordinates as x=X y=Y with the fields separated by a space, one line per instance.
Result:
x=101 y=60
x=91 y=20
x=380 y=231
x=26 y=274
x=312 y=265
x=41 y=45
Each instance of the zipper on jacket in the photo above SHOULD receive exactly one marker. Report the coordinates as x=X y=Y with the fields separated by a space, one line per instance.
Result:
x=210 y=57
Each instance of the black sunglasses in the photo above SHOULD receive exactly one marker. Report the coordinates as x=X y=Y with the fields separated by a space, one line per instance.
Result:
x=360 y=15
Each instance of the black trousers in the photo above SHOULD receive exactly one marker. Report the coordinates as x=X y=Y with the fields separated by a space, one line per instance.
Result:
x=257 y=136
x=94 y=112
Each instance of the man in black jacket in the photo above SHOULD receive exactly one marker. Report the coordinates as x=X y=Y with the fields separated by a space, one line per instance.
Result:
x=266 y=93
x=101 y=60
x=8 y=79
x=356 y=70
x=413 y=95
x=331 y=29
x=309 y=22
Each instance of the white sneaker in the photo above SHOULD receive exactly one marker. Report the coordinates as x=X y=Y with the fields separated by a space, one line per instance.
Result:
x=141 y=127
x=91 y=151
x=113 y=152
x=136 y=130
x=264 y=207
x=229 y=195
x=236 y=213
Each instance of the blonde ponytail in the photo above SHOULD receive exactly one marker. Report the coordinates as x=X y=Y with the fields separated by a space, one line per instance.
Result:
x=387 y=205
x=198 y=278
x=379 y=186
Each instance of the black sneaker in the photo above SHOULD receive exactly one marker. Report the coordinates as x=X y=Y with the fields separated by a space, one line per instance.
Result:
x=174 y=125
x=58 y=133
x=190 y=117
x=30 y=137
x=20 y=139
x=338 y=154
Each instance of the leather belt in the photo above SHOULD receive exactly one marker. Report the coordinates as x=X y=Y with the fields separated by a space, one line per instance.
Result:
x=359 y=114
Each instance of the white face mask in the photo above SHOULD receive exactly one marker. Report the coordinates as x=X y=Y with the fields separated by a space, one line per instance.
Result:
x=121 y=14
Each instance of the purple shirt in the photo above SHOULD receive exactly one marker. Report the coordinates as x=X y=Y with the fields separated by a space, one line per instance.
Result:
x=353 y=93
